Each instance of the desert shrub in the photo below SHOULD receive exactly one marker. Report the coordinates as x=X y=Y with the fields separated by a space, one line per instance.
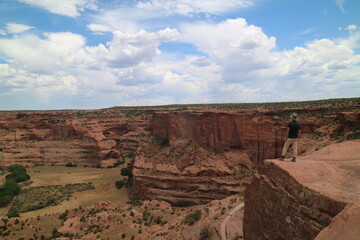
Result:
x=135 y=202
x=119 y=184
x=118 y=163
x=13 y=213
x=163 y=141
x=69 y=164
x=125 y=172
x=191 y=218
x=205 y=233
x=146 y=215
x=55 y=233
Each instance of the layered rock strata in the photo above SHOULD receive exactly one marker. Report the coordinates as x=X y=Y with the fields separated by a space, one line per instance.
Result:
x=81 y=137
x=251 y=132
x=298 y=200
x=185 y=174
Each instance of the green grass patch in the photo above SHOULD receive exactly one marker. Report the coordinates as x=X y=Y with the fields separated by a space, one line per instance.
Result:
x=41 y=197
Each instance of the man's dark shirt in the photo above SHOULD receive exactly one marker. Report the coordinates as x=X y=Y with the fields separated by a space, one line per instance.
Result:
x=294 y=129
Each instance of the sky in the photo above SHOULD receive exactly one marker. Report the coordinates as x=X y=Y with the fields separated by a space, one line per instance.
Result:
x=89 y=54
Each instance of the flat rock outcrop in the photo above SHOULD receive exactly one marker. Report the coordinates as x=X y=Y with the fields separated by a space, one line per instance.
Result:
x=299 y=200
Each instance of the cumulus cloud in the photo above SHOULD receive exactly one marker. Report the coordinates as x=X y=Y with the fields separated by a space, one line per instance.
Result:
x=55 y=51
x=186 y=7
x=248 y=57
x=127 y=49
x=237 y=62
x=245 y=50
x=62 y=62
x=69 y=8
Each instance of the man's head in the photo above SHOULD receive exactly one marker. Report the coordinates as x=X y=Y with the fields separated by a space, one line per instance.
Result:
x=294 y=116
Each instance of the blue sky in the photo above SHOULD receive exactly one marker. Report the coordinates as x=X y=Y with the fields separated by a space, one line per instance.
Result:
x=64 y=54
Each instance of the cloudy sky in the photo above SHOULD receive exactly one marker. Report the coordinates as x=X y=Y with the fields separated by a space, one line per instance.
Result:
x=61 y=54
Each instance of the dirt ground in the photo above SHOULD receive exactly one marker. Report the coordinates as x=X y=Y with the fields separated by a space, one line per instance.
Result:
x=102 y=179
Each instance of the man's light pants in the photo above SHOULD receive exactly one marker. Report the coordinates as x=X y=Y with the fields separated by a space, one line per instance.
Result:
x=293 y=142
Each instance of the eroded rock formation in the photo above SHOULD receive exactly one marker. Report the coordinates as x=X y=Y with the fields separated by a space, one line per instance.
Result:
x=252 y=132
x=82 y=137
x=298 y=200
x=185 y=174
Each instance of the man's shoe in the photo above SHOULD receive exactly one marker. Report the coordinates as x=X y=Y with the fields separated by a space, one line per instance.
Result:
x=293 y=159
x=282 y=158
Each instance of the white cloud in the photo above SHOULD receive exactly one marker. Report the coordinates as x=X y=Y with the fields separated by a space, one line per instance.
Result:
x=99 y=28
x=340 y=4
x=239 y=62
x=351 y=27
x=17 y=28
x=245 y=50
x=57 y=51
x=14 y=28
x=247 y=57
x=69 y=8
x=62 y=63
x=128 y=49
x=186 y=7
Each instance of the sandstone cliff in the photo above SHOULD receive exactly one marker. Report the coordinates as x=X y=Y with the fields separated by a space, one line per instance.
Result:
x=254 y=133
x=185 y=174
x=81 y=137
x=298 y=200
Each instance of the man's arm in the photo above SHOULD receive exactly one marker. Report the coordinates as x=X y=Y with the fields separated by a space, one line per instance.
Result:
x=299 y=133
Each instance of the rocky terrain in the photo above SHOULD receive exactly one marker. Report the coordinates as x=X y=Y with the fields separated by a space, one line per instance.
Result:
x=202 y=159
x=80 y=137
x=299 y=200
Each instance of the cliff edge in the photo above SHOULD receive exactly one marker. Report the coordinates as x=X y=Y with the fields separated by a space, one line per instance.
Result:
x=315 y=197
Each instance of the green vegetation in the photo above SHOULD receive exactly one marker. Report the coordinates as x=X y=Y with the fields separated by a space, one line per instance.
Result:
x=191 y=218
x=163 y=142
x=355 y=134
x=205 y=233
x=118 y=163
x=10 y=188
x=125 y=172
x=69 y=164
x=18 y=173
x=41 y=197
x=119 y=184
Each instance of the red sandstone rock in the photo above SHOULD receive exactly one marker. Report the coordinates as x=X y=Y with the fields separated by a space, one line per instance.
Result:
x=185 y=174
x=345 y=226
x=256 y=136
x=298 y=200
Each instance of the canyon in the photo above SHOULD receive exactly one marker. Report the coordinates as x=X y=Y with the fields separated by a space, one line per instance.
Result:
x=190 y=157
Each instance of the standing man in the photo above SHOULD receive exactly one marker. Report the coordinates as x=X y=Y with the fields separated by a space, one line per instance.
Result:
x=293 y=133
